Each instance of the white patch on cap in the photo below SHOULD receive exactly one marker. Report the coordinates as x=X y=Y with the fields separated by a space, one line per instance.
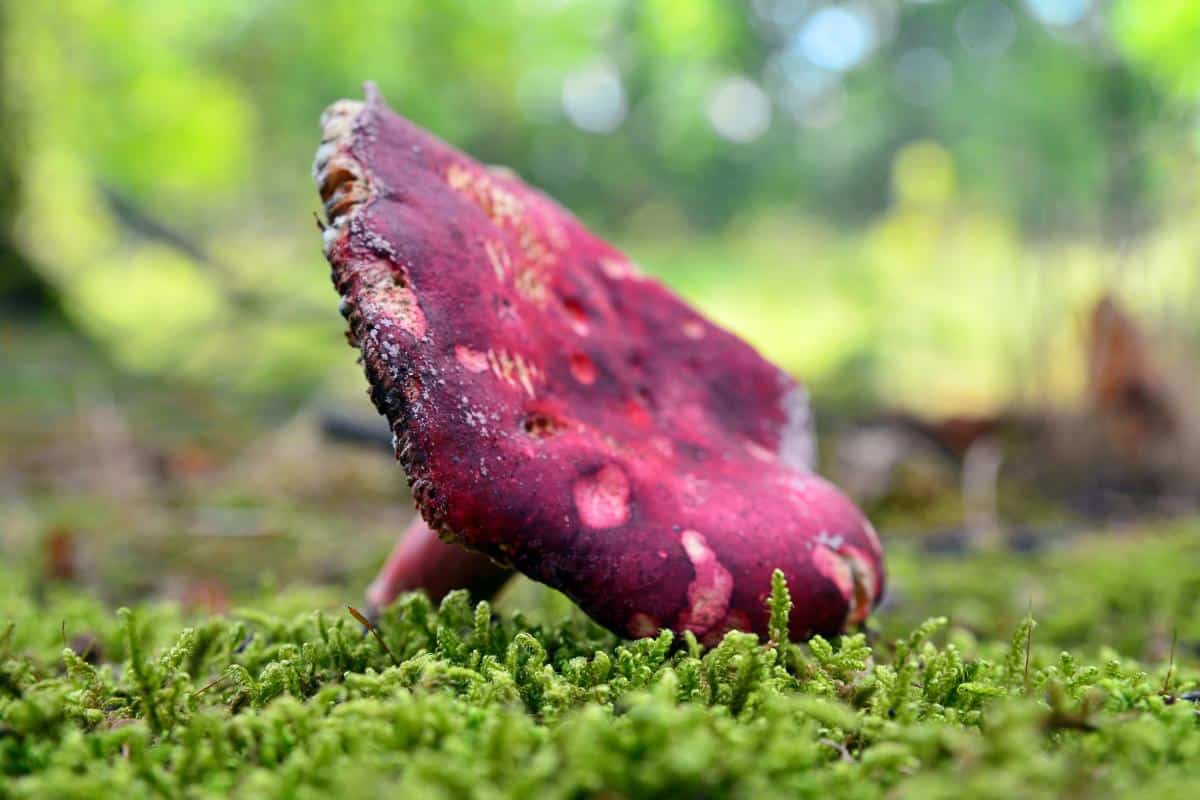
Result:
x=710 y=591
x=758 y=451
x=619 y=268
x=602 y=498
x=380 y=296
x=471 y=360
x=852 y=574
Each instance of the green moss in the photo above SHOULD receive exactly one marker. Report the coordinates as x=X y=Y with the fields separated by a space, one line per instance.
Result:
x=464 y=701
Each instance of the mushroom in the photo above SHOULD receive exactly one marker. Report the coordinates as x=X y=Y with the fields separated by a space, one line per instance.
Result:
x=421 y=560
x=566 y=416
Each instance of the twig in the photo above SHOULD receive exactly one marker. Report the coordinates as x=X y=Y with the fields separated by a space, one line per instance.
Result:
x=370 y=626
x=839 y=747
x=210 y=684
x=1171 y=662
x=1028 y=642
x=349 y=430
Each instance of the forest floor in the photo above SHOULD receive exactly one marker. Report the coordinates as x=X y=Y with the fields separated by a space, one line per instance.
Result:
x=236 y=537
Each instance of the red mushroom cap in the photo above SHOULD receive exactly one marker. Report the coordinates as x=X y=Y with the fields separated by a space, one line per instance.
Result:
x=563 y=414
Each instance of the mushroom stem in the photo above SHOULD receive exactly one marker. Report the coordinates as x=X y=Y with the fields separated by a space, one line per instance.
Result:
x=422 y=561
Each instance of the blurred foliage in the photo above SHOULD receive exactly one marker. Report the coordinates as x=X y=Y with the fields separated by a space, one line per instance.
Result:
x=1161 y=36
x=907 y=200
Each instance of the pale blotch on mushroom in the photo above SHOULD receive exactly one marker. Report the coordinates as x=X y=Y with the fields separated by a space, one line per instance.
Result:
x=709 y=592
x=692 y=329
x=602 y=498
x=499 y=258
x=850 y=571
x=471 y=360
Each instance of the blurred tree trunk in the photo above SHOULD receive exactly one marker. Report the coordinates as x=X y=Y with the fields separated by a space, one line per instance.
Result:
x=22 y=290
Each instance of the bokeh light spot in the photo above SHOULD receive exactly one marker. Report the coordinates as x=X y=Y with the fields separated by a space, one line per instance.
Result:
x=594 y=98
x=1059 y=13
x=837 y=38
x=739 y=110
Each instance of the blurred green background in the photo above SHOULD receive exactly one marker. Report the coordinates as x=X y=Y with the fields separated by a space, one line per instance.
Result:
x=905 y=203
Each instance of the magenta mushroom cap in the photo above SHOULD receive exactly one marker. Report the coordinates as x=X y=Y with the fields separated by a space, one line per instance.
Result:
x=567 y=416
